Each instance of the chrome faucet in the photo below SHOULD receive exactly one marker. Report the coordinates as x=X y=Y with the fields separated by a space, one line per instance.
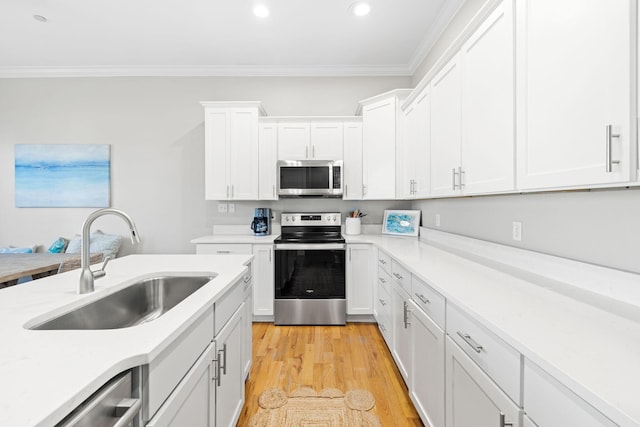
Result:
x=86 y=275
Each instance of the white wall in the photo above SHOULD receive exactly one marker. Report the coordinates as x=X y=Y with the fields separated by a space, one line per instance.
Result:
x=156 y=132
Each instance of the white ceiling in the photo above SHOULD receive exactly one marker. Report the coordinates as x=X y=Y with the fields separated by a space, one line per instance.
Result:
x=216 y=37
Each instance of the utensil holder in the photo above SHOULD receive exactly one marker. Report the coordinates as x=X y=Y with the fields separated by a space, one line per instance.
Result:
x=352 y=226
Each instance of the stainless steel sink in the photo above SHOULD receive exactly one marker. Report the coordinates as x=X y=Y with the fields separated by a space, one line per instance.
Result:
x=139 y=303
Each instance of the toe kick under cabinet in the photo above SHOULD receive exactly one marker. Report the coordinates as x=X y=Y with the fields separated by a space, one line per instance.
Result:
x=199 y=379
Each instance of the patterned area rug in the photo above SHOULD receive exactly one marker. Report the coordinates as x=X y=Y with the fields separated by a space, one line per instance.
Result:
x=305 y=407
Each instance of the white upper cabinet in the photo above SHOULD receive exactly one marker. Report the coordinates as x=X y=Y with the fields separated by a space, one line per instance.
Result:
x=487 y=131
x=268 y=156
x=445 y=130
x=380 y=131
x=308 y=139
x=327 y=141
x=231 y=150
x=472 y=112
x=574 y=67
x=352 y=174
x=293 y=141
x=413 y=174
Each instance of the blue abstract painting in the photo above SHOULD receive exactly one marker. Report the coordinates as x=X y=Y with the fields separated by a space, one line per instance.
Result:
x=62 y=175
x=401 y=222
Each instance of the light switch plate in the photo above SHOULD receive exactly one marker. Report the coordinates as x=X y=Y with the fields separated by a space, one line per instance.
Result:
x=222 y=208
x=232 y=208
x=517 y=231
x=437 y=220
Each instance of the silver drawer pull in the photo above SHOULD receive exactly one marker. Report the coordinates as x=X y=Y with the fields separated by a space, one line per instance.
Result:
x=382 y=301
x=503 y=422
x=381 y=261
x=126 y=410
x=223 y=252
x=398 y=276
x=382 y=280
x=467 y=338
x=247 y=279
x=422 y=298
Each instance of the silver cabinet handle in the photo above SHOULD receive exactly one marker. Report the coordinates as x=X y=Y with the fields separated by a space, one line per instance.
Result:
x=216 y=371
x=422 y=298
x=382 y=280
x=364 y=190
x=398 y=276
x=462 y=177
x=381 y=261
x=503 y=422
x=406 y=314
x=269 y=255
x=467 y=338
x=232 y=191
x=223 y=252
x=453 y=171
x=382 y=301
x=224 y=359
x=610 y=135
x=127 y=409
x=247 y=279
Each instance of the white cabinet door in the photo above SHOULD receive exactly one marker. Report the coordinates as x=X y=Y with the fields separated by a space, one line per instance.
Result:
x=487 y=127
x=445 y=130
x=472 y=398
x=326 y=141
x=216 y=134
x=359 y=280
x=414 y=172
x=268 y=160
x=263 y=286
x=229 y=378
x=192 y=403
x=247 y=338
x=401 y=314
x=426 y=382
x=574 y=67
x=352 y=173
x=379 y=150
x=231 y=153
x=293 y=141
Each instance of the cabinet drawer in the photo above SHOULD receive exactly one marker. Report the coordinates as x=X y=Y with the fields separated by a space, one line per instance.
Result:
x=401 y=275
x=384 y=261
x=230 y=301
x=383 y=298
x=497 y=358
x=384 y=280
x=430 y=301
x=166 y=371
x=551 y=404
x=222 y=248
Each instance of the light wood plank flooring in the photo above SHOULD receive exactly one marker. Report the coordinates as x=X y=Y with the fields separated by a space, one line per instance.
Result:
x=345 y=357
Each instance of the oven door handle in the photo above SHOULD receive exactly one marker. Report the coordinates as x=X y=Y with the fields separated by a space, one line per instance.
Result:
x=310 y=246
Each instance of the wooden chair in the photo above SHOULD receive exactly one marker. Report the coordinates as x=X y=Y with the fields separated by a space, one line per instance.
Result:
x=75 y=262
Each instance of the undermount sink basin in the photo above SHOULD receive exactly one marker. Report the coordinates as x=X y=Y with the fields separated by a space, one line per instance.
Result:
x=139 y=303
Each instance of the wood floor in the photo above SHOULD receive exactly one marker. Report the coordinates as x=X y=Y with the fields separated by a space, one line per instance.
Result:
x=345 y=357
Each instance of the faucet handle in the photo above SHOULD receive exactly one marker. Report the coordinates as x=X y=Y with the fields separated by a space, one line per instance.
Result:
x=101 y=273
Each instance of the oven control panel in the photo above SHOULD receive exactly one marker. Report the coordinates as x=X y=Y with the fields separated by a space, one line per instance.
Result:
x=332 y=218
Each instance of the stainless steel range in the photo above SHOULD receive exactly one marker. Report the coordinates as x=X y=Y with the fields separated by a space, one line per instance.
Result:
x=310 y=270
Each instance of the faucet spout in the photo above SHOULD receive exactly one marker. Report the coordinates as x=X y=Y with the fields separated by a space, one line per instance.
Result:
x=86 y=275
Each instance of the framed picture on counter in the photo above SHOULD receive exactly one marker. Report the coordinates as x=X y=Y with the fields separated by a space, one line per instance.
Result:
x=403 y=223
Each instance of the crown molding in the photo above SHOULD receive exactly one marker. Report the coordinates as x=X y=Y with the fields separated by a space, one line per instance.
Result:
x=207 y=71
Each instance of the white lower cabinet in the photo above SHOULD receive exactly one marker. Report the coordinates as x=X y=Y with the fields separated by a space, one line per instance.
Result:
x=401 y=330
x=359 y=281
x=426 y=380
x=229 y=378
x=552 y=404
x=263 y=286
x=472 y=398
x=193 y=402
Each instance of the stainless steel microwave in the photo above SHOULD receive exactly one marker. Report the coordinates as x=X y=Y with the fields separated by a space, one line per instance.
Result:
x=320 y=178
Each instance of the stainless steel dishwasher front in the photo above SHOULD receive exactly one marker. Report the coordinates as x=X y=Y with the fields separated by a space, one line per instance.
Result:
x=116 y=404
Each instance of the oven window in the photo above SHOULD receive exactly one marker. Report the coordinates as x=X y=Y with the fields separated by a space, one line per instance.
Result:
x=307 y=177
x=310 y=274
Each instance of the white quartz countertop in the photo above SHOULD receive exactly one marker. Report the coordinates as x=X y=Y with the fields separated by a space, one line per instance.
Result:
x=44 y=374
x=592 y=350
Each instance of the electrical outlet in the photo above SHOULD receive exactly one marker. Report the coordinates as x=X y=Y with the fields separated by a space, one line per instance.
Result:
x=517 y=230
x=222 y=208
x=437 y=220
x=232 y=208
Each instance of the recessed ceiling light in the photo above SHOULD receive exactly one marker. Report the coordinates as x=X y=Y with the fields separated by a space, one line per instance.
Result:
x=361 y=9
x=261 y=11
x=40 y=18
